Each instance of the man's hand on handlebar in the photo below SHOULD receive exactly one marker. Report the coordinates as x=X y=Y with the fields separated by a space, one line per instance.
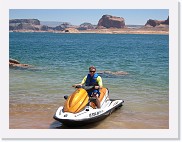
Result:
x=77 y=85
x=97 y=87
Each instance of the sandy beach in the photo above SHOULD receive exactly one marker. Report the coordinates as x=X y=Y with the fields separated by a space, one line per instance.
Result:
x=164 y=31
x=127 y=31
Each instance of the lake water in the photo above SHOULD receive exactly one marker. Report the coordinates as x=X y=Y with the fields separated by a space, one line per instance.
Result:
x=61 y=60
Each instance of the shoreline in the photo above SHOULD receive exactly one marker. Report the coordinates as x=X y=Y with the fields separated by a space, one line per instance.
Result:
x=105 y=31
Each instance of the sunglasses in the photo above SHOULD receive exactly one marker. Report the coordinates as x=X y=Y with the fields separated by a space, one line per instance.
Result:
x=92 y=71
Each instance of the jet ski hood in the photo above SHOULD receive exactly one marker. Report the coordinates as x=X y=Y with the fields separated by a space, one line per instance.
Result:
x=77 y=101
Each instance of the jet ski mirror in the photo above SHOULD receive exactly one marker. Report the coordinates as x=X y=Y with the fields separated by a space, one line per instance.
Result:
x=78 y=86
x=66 y=97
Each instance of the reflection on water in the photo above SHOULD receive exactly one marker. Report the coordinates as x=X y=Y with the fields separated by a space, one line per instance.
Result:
x=56 y=125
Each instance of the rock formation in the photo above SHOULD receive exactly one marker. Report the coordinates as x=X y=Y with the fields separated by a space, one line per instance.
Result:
x=108 y=21
x=24 y=24
x=107 y=24
x=116 y=73
x=34 y=25
x=30 y=21
x=62 y=26
x=15 y=63
x=86 y=26
x=44 y=28
x=71 y=30
x=157 y=23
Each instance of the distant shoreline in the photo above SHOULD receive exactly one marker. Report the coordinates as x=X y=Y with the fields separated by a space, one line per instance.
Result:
x=107 y=31
x=126 y=31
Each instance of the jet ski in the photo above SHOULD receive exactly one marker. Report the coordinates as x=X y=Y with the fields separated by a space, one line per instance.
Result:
x=80 y=109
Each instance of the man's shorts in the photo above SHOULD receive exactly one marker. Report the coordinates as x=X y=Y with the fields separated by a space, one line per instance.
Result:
x=94 y=93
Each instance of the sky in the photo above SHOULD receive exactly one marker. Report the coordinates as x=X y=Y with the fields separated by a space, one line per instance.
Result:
x=79 y=16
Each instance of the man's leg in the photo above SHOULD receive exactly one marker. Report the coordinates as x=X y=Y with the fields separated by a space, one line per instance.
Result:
x=97 y=102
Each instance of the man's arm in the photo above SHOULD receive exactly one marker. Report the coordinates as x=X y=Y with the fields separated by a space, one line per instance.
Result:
x=84 y=80
x=99 y=80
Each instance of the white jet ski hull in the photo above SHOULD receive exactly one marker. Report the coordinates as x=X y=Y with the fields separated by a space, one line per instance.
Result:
x=88 y=115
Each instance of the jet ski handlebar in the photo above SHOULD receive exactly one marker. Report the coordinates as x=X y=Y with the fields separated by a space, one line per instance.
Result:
x=84 y=87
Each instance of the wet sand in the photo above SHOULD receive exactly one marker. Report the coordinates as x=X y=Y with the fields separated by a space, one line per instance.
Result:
x=40 y=116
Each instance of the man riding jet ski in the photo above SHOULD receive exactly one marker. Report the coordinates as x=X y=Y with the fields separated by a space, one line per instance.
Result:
x=92 y=79
x=88 y=103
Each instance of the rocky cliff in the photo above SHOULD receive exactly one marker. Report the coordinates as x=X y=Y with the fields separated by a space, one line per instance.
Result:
x=14 y=63
x=26 y=24
x=107 y=24
x=157 y=23
x=108 y=21
x=86 y=26
x=20 y=21
x=34 y=25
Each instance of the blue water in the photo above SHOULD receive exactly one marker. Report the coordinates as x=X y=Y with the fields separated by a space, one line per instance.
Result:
x=61 y=60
